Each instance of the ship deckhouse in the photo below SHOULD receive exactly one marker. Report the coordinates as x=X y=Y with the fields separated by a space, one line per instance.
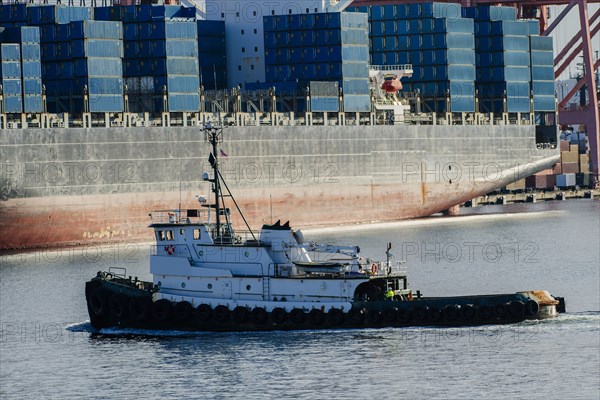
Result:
x=200 y=258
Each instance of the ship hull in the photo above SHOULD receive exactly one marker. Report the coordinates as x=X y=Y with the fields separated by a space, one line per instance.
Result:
x=65 y=187
x=120 y=303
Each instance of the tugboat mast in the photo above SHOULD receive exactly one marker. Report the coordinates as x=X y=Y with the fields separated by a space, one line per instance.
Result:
x=214 y=136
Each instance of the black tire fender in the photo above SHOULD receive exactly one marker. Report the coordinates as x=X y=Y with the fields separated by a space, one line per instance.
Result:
x=279 y=315
x=531 y=308
x=119 y=306
x=204 y=312
x=221 y=313
x=259 y=315
x=140 y=308
x=183 y=311
x=240 y=314
x=99 y=302
x=162 y=310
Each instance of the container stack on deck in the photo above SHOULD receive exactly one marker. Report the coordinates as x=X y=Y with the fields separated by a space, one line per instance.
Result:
x=503 y=64
x=28 y=38
x=513 y=61
x=542 y=73
x=86 y=66
x=167 y=55
x=436 y=41
x=211 y=50
x=161 y=56
x=333 y=47
x=10 y=78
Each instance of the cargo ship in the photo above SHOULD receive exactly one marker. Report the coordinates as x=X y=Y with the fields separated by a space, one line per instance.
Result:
x=334 y=115
x=210 y=276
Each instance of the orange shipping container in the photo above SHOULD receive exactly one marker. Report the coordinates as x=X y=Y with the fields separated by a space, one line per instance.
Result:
x=570 y=168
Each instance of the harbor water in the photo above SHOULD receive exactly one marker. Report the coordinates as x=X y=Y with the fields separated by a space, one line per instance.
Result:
x=49 y=350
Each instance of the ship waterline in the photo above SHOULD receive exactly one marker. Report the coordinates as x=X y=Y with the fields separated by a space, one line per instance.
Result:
x=85 y=186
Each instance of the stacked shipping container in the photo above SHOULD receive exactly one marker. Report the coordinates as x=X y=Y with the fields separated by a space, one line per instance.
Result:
x=168 y=55
x=10 y=78
x=321 y=47
x=211 y=51
x=542 y=73
x=503 y=61
x=161 y=67
x=13 y=15
x=436 y=41
x=572 y=169
x=85 y=59
x=28 y=38
x=513 y=61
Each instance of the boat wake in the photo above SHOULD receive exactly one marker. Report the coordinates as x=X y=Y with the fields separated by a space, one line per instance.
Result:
x=578 y=320
x=86 y=327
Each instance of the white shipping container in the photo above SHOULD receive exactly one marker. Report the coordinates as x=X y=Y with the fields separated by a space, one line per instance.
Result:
x=565 y=180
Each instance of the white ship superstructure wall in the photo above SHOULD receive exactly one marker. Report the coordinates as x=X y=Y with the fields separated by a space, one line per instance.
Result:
x=245 y=33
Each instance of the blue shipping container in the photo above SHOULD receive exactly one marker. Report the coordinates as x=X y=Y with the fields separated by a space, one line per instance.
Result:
x=105 y=103
x=542 y=73
x=541 y=43
x=25 y=34
x=544 y=58
x=544 y=88
x=32 y=86
x=10 y=52
x=12 y=104
x=183 y=102
x=174 y=30
x=32 y=69
x=324 y=104
x=96 y=30
x=178 y=84
x=31 y=51
x=161 y=12
x=96 y=48
x=544 y=103
x=98 y=66
x=32 y=104
x=357 y=103
x=10 y=69
x=101 y=85
x=11 y=86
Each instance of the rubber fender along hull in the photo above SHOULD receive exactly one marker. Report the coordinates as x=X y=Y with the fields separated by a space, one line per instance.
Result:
x=123 y=305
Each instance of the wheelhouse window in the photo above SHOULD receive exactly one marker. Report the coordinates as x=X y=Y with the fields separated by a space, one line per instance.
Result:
x=160 y=235
x=196 y=234
x=182 y=231
x=169 y=235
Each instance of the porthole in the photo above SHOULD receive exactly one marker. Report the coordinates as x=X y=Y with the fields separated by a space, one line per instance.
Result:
x=210 y=286
x=183 y=284
x=248 y=287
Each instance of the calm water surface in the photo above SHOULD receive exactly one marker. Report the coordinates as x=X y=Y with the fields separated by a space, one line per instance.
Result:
x=49 y=350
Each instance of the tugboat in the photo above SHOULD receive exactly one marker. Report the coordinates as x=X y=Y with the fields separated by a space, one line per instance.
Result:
x=207 y=276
